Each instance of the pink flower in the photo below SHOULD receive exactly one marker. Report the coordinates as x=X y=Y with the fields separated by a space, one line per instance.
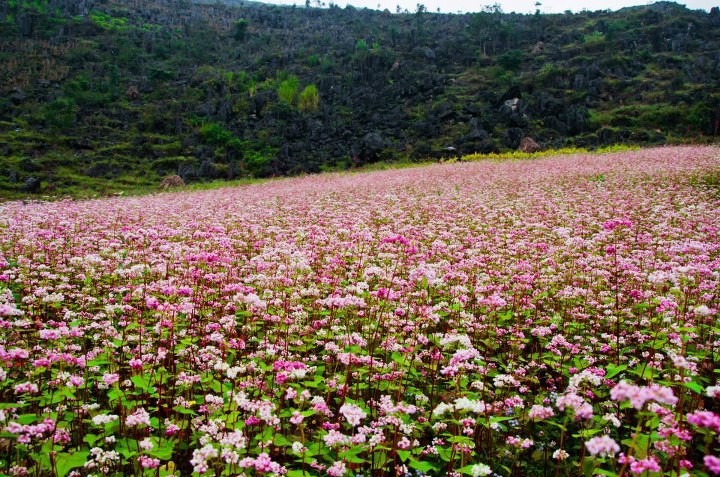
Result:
x=138 y=418
x=110 y=378
x=645 y=465
x=30 y=388
x=538 y=412
x=602 y=446
x=639 y=395
x=706 y=419
x=148 y=462
x=297 y=418
x=712 y=463
x=136 y=363
x=354 y=414
x=252 y=421
x=337 y=469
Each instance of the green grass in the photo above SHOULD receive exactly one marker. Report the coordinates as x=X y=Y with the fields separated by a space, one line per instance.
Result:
x=68 y=183
x=518 y=155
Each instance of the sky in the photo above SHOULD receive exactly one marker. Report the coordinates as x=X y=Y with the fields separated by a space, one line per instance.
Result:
x=518 y=6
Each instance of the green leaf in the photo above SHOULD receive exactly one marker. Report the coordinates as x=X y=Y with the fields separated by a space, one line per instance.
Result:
x=297 y=473
x=182 y=410
x=65 y=462
x=127 y=447
x=588 y=465
x=608 y=473
x=424 y=467
x=693 y=386
x=43 y=460
x=12 y=405
x=403 y=454
x=142 y=383
x=91 y=439
x=444 y=454
x=164 y=451
x=281 y=441
x=467 y=470
x=613 y=370
x=351 y=455
x=26 y=419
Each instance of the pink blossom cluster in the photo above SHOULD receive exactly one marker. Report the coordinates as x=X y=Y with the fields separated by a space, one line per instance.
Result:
x=639 y=395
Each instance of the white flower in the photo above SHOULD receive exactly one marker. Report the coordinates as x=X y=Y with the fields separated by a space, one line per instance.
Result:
x=610 y=417
x=102 y=419
x=479 y=470
x=560 y=454
x=712 y=391
x=702 y=310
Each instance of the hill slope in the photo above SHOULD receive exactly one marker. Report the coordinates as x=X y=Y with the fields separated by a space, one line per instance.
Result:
x=105 y=94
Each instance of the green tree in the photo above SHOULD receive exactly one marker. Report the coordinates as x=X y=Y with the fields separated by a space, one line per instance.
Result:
x=288 y=89
x=511 y=60
x=309 y=99
x=61 y=113
x=241 y=27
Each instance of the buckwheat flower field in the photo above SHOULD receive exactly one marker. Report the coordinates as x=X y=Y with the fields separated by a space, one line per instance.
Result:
x=528 y=318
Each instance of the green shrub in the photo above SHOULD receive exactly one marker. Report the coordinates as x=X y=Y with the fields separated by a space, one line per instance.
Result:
x=288 y=89
x=309 y=99
x=61 y=113
x=215 y=133
x=511 y=60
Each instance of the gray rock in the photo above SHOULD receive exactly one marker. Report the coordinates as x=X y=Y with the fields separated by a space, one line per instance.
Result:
x=187 y=172
x=576 y=118
x=206 y=109
x=17 y=96
x=207 y=170
x=31 y=185
x=512 y=137
x=373 y=142
x=28 y=165
x=103 y=169
x=477 y=134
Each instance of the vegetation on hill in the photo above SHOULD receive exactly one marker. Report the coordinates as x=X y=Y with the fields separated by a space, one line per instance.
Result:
x=107 y=94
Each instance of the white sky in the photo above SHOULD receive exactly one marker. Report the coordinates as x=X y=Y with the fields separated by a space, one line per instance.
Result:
x=519 y=6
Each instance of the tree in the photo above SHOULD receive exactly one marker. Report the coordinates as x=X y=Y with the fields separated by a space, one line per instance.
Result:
x=241 y=27
x=511 y=60
x=309 y=99
x=288 y=89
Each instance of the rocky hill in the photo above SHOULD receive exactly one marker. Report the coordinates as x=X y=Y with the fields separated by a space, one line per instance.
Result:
x=106 y=94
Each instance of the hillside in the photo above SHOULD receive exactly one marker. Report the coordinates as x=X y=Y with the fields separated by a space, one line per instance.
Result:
x=101 y=95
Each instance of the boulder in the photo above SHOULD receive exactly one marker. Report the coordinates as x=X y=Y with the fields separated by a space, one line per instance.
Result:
x=512 y=137
x=17 y=96
x=444 y=111
x=207 y=170
x=104 y=169
x=471 y=109
x=476 y=134
x=187 y=172
x=527 y=144
x=372 y=143
x=31 y=185
x=132 y=93
x=170 y=182
x=513 y=112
